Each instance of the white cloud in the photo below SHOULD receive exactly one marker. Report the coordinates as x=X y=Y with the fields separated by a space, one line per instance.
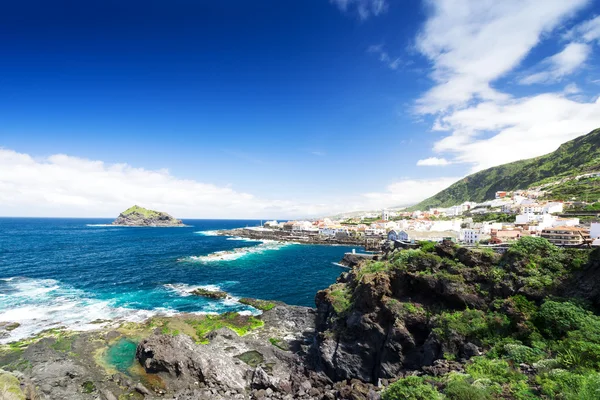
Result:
x=432 y=161
x=406 y=192
x=561 y=64
x=587 y=31
x=364 y=8
x=390 y=62
x=66 y=186
x=471 y=43
x=522 y=128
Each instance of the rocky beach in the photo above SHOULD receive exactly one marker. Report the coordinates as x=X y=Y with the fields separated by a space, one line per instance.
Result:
x=429 y=318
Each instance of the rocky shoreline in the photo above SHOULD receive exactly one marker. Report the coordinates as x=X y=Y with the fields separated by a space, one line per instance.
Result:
x=417 y=320
x=243 y=358
x=289 y=236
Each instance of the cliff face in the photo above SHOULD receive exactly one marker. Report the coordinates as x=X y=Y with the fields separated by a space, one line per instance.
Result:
x=432 y=310
x=139 y=216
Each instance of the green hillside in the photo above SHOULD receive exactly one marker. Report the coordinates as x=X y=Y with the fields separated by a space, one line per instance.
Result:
x=575 y=157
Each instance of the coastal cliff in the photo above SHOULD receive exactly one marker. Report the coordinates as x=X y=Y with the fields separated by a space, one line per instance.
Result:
x=139 y=216
x=439 y=321
x=443 y=318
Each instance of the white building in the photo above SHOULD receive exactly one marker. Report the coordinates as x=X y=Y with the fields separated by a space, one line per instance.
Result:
x=454 y=211
x=551 y=208
x=565 y=222
x=595 y=230
x=385 y=215
x=470 y=236
x=533 y=208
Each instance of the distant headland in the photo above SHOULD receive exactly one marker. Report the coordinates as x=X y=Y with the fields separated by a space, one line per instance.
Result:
x=139 y=216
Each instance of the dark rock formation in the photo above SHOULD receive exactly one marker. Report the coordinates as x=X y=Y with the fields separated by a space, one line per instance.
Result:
x=139 y=216
x=212 y=294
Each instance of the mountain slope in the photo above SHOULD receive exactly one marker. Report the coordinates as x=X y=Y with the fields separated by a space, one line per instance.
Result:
x=575 y=157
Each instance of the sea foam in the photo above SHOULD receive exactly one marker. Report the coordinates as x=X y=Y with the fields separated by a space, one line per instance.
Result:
x=40 y=304
x=235 y=254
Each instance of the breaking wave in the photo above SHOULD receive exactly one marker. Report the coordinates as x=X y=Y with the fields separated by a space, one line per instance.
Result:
x=40 y=304
x=235 y=254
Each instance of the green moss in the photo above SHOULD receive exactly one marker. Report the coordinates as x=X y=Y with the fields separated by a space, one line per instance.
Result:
x=10 y=387
x=88 y=387
x=279 y=343
x=240 y=324
x=262 y=305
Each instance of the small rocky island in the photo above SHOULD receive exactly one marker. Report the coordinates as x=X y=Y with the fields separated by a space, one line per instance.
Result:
x=139 y=216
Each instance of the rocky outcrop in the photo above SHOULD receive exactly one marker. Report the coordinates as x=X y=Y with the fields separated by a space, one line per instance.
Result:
x=376 y=324
x=139 y=216
x=211 y=294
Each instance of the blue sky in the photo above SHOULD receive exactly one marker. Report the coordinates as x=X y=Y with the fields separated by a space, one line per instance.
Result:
x=281 y=108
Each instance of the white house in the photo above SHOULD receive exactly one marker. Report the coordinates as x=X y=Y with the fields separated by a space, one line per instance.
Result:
x=531 y=208
x=470 y=236
x=553 y=207
x=327 y=231
x=454 y=211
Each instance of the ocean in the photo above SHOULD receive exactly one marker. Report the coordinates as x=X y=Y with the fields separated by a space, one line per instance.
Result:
x=75 y=273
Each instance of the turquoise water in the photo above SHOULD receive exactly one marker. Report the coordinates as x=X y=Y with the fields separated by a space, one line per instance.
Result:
x=70 y=272
x=121 y=355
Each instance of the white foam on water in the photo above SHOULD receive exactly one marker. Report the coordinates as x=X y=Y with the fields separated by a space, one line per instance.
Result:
x=235 y=254
x=214 y=306
x=241 y=239
x=341 y=265
x=183 y=289
x=208 y=233
x=40 y=304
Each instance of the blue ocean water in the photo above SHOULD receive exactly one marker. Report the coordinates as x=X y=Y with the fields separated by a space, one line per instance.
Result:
x=70 y=272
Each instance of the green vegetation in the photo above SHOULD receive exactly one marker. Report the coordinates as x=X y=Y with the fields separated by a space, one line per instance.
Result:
x=583 y=189
x=528 y=342
x=493 y=216
x=240 y=324
x=262 y=305
x=9 y=387
x=340 y=298
x=279 y=343
x=141 y=211
x=88 y=387
x=572 y=158
x=411 y=388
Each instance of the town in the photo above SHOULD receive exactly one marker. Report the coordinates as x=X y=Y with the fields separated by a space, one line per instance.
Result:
x=505 y=219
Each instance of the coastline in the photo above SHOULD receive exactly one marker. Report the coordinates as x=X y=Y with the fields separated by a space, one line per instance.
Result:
x=288 y=236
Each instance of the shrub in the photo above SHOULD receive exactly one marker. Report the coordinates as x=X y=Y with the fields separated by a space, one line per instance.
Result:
x=462 y=390
x=411 y=388
x=474 y=324
x=556 y=319
x=498 y=371
x=522 y=354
